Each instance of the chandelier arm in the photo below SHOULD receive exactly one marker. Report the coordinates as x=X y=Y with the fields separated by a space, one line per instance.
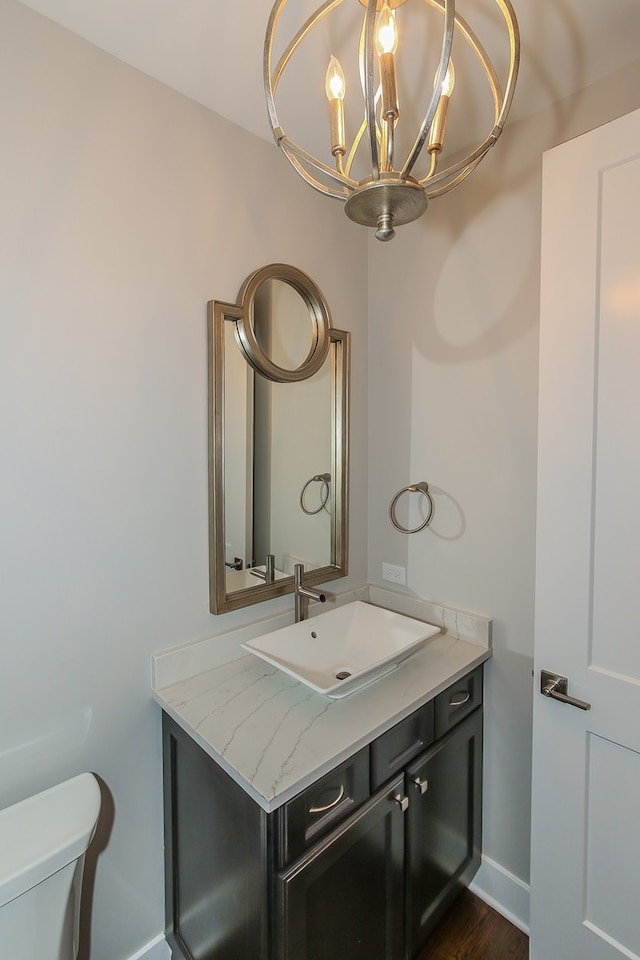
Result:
x=390 y=142
x=361 y=46
x=514 y=43
x=462 y=175
x=266 y=65
x=354 y=148
x=376 y=99
x=501 y=103
x=292 y=150
x=447 y=40
x=369 y=24
x=473 y=158
x=316 y=184
x=482 y=55
x=314 y=19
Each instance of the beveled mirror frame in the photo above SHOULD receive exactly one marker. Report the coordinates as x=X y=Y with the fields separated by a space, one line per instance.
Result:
x=337 y=350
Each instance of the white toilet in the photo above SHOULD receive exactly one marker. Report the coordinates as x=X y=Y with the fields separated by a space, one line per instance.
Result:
x=42 y=844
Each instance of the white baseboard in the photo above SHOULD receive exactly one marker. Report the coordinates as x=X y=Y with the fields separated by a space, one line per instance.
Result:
x=156 y=949
x=504 y=892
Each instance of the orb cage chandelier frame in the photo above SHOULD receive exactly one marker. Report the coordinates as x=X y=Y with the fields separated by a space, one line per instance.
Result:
x=390 y=196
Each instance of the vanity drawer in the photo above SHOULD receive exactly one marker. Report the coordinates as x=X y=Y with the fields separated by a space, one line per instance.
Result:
x=458 y=701
x=321 y=806
x=394 y=749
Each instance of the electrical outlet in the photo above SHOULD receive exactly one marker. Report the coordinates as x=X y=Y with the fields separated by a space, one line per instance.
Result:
x=393 y=573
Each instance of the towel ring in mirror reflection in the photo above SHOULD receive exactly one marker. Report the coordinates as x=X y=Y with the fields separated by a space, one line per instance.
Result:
x=324 y=479
x=423 y=488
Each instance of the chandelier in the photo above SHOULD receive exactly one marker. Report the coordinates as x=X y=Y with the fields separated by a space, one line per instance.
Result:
x=375 y=173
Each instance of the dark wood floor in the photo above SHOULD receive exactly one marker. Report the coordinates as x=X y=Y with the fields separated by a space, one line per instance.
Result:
x=471 y=930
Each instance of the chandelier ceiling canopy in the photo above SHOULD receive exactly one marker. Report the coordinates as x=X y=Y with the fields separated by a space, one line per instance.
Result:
x=379 y=78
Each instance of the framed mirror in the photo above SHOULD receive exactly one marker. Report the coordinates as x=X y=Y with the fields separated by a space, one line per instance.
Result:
x=278 y=439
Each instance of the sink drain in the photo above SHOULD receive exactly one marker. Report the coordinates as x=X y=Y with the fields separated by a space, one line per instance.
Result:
x=342 y=675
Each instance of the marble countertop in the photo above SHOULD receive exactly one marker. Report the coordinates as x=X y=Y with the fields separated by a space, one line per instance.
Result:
x=275 y=736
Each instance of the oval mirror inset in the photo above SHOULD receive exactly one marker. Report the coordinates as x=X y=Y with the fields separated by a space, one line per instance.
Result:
x=284 y=328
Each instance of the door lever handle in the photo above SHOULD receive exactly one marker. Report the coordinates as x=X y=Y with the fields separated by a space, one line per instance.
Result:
x=554 y=686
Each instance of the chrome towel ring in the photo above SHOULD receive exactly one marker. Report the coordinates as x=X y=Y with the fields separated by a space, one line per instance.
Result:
x=423 y=488
x=324 y=479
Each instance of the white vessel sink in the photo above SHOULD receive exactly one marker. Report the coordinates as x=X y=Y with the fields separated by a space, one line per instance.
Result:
x=339 y=651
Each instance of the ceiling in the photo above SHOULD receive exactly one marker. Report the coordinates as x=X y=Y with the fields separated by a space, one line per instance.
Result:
x=211 y=50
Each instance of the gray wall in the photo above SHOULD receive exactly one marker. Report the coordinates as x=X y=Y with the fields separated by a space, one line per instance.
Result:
x=453 y=372
x=125 y=208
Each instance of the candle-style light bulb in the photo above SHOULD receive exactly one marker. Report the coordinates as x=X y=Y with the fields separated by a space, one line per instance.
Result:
x=387 y=32
x=335 y=88
x=449 y=80
x=439 y=125
x=334 y=84
x=386 y=45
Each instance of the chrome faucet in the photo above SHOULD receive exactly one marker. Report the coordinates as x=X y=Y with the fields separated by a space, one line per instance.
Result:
x=268 y=574
x=303 y=594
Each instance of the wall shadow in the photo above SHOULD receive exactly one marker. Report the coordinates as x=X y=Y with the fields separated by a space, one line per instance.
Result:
x=97 y=845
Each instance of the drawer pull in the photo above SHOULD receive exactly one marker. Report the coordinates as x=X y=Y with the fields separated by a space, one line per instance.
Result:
x=329 y=806
x=403 y=802
x=459 y=699
x=422 y=785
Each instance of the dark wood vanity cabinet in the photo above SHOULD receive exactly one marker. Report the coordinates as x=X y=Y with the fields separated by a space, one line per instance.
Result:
x=360 y=865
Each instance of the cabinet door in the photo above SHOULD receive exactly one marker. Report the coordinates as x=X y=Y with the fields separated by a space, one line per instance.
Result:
x=444 y=825
x=344 y=898
x=215 y=856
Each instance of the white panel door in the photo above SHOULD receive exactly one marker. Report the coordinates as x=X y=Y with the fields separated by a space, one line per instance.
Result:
x=585 y=882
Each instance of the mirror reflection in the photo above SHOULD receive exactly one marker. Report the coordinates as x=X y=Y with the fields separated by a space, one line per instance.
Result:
x=282 y=324
x=278 y=457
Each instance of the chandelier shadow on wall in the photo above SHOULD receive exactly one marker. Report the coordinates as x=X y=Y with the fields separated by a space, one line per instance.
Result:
x=382 y=82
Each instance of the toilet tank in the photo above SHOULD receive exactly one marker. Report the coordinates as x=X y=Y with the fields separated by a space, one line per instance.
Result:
x=43 y=840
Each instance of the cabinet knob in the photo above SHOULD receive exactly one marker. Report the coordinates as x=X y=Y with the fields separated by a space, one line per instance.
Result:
x=403 y=802
x=422 y=785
